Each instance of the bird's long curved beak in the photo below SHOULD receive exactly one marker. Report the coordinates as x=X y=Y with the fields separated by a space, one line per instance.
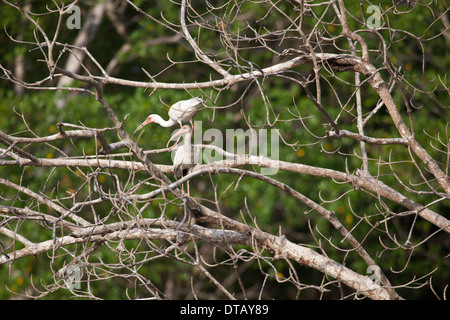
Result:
x=140 y=127
x=178 y=134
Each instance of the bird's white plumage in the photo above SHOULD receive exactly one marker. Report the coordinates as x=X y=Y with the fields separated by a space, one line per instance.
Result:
x=187 y=155
x=184 y=111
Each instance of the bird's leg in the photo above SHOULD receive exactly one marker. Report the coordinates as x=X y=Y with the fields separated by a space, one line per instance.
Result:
x=188 y=190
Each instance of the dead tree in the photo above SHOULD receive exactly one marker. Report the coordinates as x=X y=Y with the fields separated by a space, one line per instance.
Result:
x=312 y=45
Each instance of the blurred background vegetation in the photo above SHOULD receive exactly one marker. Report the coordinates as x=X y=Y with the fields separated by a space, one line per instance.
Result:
x=273 y=209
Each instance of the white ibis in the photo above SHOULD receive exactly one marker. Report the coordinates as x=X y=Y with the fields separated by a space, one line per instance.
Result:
x=187 y=156
x=182 y=111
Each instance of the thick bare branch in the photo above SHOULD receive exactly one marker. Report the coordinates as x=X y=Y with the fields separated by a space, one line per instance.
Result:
x=281 y=66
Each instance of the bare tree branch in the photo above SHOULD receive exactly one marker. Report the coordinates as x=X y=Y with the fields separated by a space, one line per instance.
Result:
x=303 y=68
